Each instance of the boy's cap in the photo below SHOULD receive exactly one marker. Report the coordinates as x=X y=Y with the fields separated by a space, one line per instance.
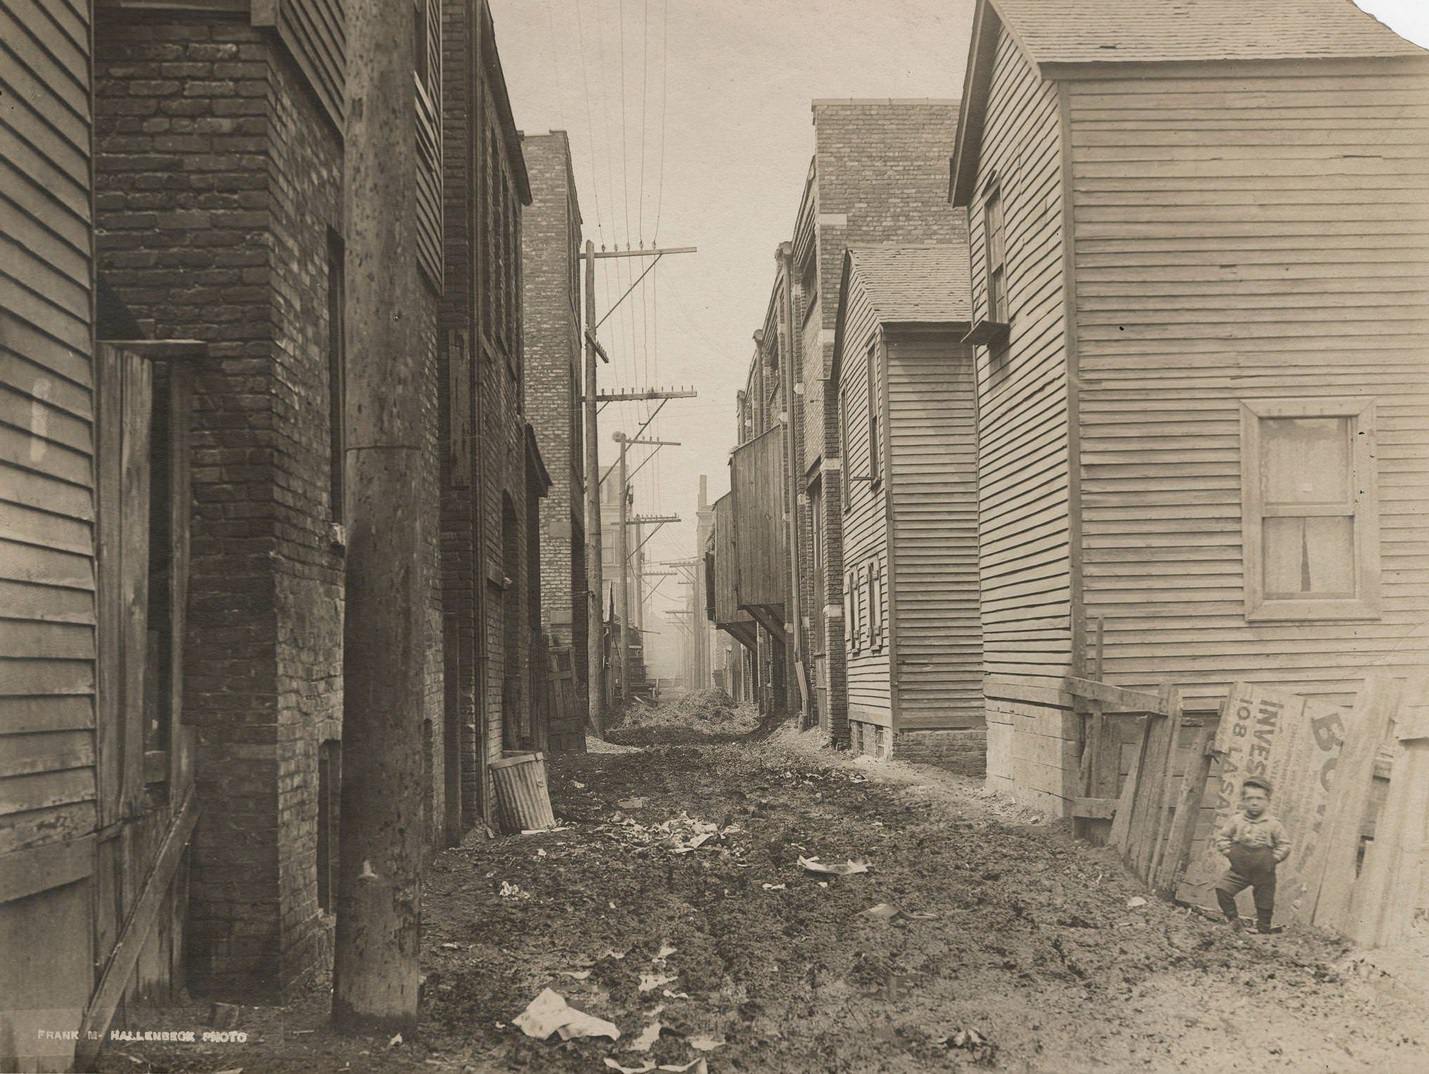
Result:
x=1256 y=781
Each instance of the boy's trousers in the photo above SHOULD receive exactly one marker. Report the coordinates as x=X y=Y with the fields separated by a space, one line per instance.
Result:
x=1251 y=867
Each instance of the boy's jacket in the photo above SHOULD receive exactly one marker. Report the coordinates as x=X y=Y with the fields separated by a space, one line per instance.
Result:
x=1262 y=831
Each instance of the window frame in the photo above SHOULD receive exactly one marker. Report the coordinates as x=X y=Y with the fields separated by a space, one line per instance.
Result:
x=995 y=254
x=1363 y=503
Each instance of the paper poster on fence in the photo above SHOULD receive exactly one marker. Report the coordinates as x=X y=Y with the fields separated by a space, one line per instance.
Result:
x=1296 y=743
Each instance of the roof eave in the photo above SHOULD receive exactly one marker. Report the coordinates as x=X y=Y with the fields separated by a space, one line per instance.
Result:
x=1069 y=71
x=977 y=83
x=510 y=135
x=836 y=362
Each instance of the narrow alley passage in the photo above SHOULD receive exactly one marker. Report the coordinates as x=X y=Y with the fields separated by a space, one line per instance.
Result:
x=979 y=937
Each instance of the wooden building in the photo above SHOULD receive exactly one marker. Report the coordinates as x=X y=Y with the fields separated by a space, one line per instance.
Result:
x=761 y=558
x=1199 y=242
x=723 y=605
x=96 y=761
x=902 y=380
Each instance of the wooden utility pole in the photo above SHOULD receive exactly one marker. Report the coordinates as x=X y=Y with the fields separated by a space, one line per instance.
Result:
x=595 y=616
x=375 y=972
x=622 y=558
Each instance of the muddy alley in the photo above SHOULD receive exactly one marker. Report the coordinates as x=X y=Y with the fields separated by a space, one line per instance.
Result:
x=675 y=902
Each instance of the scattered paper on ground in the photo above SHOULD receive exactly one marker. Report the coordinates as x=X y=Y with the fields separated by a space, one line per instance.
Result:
x=814 y=865
x=651 y=981
x=883 y=911
x=647 y=1038
x=549 y=1013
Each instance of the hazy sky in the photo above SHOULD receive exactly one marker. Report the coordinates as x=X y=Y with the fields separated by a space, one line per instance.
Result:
x=690 y=125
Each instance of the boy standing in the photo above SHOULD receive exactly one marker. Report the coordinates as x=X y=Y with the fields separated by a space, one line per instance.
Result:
x=1255 y=843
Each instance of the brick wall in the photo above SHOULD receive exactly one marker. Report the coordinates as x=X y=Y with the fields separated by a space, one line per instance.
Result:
x=550 y=240
x=218 y=181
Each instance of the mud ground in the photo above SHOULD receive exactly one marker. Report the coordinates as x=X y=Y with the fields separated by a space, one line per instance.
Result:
x=1012 y=948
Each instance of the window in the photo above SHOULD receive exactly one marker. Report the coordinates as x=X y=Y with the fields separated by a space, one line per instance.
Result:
x=336 y=375
x=875 y=604
x=850 y=627
x=875 y=470
x=843 y=447
x=1310 y=520
x=995 y=249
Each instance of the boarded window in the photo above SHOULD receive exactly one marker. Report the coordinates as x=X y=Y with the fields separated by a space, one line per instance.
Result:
x=994 y=240
x=1310 y=519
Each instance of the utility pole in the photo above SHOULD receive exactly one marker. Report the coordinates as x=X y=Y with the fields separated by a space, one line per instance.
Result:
x=595 y=614
x=622 y=559
x=590 y=407
x=375 y=972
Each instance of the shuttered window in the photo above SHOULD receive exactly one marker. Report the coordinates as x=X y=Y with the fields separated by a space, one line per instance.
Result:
x=1310 y=509
x=850 y=626
x=876 y=604
x=843 y=448
x=994 y=242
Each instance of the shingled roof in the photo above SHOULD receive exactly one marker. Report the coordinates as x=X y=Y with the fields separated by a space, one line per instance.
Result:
x=922 y=283
x=1063 y=37
x=1158 y=31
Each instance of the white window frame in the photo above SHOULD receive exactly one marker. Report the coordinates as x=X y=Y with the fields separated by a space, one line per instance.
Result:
x=1364 y=510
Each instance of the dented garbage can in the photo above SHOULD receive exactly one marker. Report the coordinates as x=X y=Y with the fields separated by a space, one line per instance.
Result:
x=523 y=801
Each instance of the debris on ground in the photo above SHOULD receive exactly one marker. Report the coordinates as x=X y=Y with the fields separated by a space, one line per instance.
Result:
x=849 y=868
x=881 y=912
x=697 y=716
x=549 y=1013
x=1008 y=931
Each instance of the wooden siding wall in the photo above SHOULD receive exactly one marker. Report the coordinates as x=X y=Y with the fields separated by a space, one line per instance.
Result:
x=727 y=614
x=865 y=523
x=932 y=449
x=47 y=539
x=756 y=471
x=1247 y=235
x=1022 y=449
x=315 y=34
x=429 y=155
x=48 y=650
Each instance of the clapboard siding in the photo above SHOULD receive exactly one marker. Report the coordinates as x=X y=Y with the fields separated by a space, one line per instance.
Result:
x=315 y=34
x=1022 y=439
x=932 y=447
x=727 y=614
x=865 y=520
x=47 y=556
x=1246 y=238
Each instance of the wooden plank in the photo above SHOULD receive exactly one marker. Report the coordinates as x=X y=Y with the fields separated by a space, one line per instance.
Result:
x=36 y=869
x=109 y=439
x=1167 y=799
x=135 y=454
x=1177 y=852
x=100 y=1012
x=1140 y=842
x=1114 y=697
x=1121 y=823
x=180 y=745
x=1095 y=808
x=1350 y=787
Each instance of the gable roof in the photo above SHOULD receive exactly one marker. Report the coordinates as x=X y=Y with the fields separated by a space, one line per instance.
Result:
x=1158 y=31
x=1109 y=33
x=924 y=283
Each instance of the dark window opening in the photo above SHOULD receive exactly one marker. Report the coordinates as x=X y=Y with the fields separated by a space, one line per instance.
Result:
x=329 y=791
x=336 y=374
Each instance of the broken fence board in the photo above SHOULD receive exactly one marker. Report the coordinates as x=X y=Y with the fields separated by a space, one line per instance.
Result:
x=1350 y=786
x=1177 y=852
x=1121 y=823
x=1166 y=788
x=1114 y=697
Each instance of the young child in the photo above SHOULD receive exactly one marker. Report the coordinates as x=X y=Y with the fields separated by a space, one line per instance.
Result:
x=1255 y=842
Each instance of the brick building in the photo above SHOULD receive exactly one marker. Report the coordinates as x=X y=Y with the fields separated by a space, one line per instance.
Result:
x=878 y=174
x=551 y=321
x=485 y=496
x=219 y=172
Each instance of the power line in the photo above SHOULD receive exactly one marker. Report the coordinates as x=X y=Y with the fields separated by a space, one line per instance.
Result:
x=589 y=122
x=664 y=98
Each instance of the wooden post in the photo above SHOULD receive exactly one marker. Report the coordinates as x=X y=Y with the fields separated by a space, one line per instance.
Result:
x=375 y=973
x=595 y=677
x=622 y=559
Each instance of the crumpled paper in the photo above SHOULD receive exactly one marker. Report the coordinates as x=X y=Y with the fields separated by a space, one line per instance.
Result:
x=814 y=865
x=549 y=1013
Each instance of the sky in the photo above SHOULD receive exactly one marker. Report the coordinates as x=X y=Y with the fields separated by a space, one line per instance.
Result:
x=689 y=122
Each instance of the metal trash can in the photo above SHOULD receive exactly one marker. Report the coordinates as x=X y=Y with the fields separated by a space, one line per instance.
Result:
x=523 y=801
